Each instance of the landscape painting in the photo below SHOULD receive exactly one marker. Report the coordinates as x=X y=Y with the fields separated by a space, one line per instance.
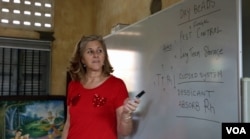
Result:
x=34 y=117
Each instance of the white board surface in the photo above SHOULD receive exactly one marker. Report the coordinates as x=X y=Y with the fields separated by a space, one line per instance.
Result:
x=186 y=58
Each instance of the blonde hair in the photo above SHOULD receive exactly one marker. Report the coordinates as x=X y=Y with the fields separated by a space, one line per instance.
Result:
x=76 y=68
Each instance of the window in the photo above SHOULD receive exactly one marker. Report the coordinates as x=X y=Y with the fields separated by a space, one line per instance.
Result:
x=24 y=67
x=27 y=14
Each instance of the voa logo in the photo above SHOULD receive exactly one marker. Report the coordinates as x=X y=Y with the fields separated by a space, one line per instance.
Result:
x=236 y=130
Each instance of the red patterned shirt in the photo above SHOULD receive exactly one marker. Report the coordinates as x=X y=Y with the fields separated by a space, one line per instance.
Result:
x=93 y=111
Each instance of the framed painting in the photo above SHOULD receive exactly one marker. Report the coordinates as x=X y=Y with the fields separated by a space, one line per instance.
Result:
x=32 y=117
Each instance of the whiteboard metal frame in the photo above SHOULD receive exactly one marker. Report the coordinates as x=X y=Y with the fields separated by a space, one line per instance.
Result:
x=240 y=69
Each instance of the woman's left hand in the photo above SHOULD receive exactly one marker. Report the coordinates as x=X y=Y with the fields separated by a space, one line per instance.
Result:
x=130 y=105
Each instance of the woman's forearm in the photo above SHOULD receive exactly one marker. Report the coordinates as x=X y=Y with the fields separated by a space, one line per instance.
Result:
x=65 y=130
x=125 y=126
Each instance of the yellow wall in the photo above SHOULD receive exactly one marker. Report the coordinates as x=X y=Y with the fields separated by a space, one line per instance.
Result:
x=112 y=12
x=120 y=11
x=74 y=18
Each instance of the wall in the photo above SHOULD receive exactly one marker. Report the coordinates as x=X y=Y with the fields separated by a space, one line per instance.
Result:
x=77 y=17
x=245 y=37
x=126 y=12
x=72 y=19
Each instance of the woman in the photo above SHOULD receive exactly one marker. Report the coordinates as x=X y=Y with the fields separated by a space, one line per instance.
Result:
x=97 y=103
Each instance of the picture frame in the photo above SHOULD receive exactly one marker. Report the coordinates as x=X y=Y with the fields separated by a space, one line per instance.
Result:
x=32 y=117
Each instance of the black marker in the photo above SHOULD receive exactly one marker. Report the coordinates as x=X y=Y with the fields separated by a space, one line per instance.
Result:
x=140 y=94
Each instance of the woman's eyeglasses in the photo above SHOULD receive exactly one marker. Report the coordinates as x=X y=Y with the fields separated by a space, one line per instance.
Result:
x=97 y=100
x=75 y=99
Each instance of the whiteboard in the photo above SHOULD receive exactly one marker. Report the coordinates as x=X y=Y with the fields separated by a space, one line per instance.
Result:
x=246 y=99
x=187 y=59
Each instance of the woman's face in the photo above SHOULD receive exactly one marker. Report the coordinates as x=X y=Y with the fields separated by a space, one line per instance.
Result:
x=93 y=56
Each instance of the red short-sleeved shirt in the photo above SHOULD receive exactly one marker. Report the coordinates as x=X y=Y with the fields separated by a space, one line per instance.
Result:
x=93 y=111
